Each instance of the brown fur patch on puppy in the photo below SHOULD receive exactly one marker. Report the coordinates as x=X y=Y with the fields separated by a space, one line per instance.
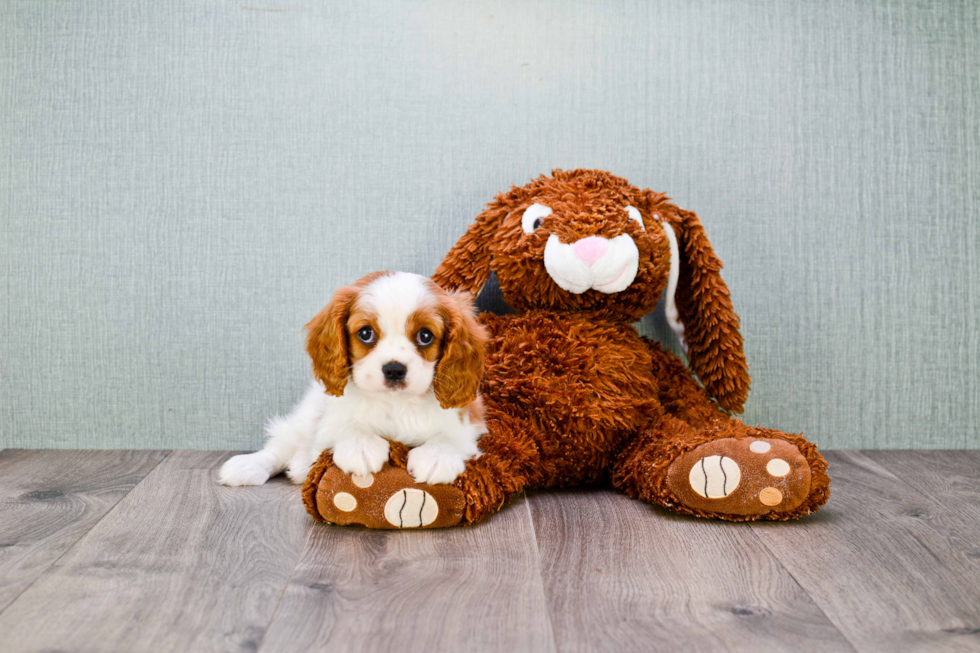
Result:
x=427 y=318
x=327 y=340
x=460 y=367
x=357 y=320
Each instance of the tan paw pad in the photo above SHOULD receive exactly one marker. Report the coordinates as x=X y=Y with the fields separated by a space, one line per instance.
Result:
x=770 y=496
x=411 y=508
x=777 y=467
x=344 y=501
x=715 y=477
x=362 y=481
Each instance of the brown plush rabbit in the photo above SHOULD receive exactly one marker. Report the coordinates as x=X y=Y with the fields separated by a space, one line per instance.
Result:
x=573 y=394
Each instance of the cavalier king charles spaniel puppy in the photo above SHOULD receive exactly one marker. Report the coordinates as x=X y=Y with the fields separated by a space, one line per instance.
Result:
x=395 y=357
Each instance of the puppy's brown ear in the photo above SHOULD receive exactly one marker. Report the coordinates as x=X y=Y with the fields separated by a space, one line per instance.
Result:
x=710 y=328
x=460 y=368
x=467 y=265
x=326 y=342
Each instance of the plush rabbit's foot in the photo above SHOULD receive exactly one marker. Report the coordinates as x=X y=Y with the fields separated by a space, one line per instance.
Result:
x=387 y=499
x=745 y=477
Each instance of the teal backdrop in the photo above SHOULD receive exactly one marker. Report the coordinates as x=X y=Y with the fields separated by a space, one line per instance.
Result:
x=184 y=184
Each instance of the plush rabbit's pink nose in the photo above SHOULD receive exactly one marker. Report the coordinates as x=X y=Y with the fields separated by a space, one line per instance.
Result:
x=589 y=250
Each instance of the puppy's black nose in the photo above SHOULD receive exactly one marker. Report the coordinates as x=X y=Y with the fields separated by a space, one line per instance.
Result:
x=394 y=371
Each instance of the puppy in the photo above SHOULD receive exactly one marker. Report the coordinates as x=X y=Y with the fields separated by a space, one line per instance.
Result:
x=395 y=358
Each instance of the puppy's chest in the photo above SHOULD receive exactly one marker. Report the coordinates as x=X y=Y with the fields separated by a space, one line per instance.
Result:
x=410 y=424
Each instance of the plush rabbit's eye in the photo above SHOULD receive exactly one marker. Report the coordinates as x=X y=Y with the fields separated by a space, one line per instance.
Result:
x=365 y=335
x=634 y=214
x=533 y=217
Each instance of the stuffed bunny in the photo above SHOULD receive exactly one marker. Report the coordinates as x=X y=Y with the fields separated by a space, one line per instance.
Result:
x=573 y=394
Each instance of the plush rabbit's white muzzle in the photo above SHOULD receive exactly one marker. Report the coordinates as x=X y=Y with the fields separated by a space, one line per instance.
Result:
x=608 y=265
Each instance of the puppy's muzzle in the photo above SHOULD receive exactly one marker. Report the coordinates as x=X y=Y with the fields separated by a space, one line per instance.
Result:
x=394 y=373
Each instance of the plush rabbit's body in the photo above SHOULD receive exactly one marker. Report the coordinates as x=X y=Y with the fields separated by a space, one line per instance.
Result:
x=573 y=389
x=574 y=395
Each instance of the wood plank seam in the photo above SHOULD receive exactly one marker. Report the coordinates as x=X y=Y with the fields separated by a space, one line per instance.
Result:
x=474 y=588
x=537 y=549
x=83 y=535
x=671 y=582
x=196 y=565
x=299 y=556
x=936 y=623
x=813 y=600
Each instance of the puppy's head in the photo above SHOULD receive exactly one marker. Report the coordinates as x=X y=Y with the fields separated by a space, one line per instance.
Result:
x=399 y=332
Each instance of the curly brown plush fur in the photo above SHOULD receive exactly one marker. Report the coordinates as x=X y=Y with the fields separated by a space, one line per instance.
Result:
x=574 y=395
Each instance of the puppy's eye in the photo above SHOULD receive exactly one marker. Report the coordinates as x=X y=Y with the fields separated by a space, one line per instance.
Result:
x=365 y=335
x=634 y=214
x=533 y=217
x=424 y=338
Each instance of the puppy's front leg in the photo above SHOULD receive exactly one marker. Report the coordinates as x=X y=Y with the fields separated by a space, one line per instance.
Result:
x=436 y=462
x=300 y=464
x=357 y=452
x=356 y=449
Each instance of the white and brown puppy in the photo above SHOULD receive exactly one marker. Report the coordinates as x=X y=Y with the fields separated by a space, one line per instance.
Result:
x=395 y=358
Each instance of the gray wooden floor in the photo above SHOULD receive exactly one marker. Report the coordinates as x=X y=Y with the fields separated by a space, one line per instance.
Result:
x=142 y=551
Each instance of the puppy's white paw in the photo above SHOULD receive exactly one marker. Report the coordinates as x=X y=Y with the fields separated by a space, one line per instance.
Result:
x=361 y=454
x=299 y=466
x=432 y=464
x=246 y=469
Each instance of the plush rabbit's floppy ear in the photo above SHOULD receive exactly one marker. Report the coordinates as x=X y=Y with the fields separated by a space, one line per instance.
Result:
x=467 y=265
x=460 y=367
x=326 y=342
x=700 y=309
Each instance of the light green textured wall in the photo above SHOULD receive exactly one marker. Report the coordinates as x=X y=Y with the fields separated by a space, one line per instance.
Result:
x=182 y=185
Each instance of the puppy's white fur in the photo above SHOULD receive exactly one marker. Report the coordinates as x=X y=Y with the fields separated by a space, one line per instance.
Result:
x=357 y=425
